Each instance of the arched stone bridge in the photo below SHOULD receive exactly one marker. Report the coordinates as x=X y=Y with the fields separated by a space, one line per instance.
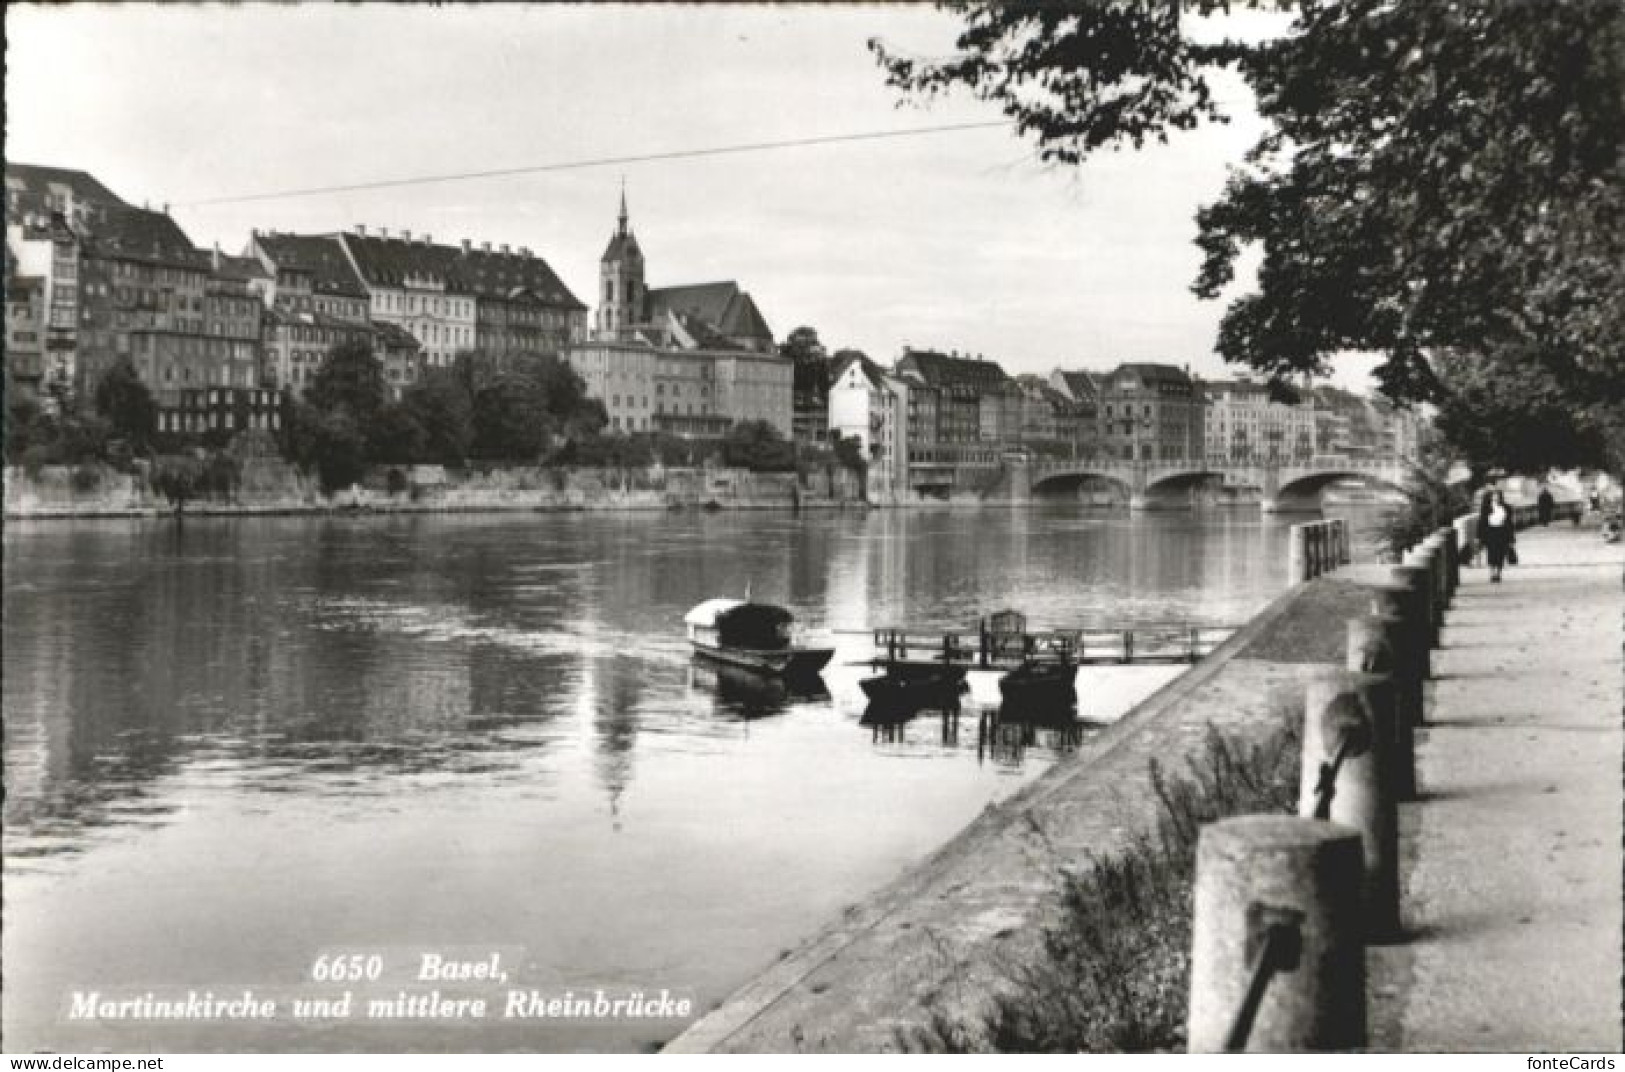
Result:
x=1283 y=486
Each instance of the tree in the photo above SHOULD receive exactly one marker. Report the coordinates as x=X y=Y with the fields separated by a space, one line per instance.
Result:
x=395 y=437
x=444 y=413
x=1503 y=413
x=811 y=363
x=1435 y=177
x=127 y=405
x=758 y=446
x=350 y=379
x=511 y=420
x=329 y=441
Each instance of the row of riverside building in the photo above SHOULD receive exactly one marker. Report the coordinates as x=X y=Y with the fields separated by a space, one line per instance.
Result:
x=933 y=415
x=92 y=280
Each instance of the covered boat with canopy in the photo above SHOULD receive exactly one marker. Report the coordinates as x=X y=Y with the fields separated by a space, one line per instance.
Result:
x=759 y=636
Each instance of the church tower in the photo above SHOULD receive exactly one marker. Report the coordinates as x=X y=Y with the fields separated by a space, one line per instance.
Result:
x=622 y=294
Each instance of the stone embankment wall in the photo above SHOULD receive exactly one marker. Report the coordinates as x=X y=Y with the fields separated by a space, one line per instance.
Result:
x=271 y=486
x=958 y=927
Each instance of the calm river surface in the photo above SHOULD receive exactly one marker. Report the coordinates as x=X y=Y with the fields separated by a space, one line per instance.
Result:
x=234 y=745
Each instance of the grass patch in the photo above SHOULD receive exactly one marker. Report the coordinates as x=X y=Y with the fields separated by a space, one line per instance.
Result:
x=1115 y=971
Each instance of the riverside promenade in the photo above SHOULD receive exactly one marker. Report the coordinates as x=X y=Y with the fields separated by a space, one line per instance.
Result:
x=1511 y=857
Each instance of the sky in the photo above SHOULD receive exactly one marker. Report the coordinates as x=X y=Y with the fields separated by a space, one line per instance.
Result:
x=953 y=241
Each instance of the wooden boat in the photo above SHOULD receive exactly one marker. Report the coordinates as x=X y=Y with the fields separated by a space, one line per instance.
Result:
x=910 y=687
x=1040 y=686
x=754 y=636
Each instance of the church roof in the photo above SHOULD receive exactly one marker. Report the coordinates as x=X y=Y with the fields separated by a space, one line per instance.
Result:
x=622 y=247
x=723 y=307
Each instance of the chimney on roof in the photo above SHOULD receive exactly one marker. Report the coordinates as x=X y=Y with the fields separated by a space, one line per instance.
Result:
x=485 y=247
x=428 y=239
x=361 y=229
x=524 y=251
x=166 y=208
x=468 y=247
x=406 y=235
x=383 y=232
x=505 y=251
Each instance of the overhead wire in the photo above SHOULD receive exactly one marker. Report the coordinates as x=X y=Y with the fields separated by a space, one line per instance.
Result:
x=606 y=161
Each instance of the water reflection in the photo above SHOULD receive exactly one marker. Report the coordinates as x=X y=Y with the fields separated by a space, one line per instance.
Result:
x=743 y=694
x=1004 y=736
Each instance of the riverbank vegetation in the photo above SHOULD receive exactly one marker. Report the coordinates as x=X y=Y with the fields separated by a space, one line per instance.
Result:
x=1114 y=974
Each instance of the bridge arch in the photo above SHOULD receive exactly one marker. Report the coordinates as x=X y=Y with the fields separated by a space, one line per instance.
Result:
x=1075 y=480
x=1310 y=485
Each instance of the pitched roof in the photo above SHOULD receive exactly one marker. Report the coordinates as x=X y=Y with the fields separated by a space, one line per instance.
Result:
x=723 y=306
x=958 y=374
x=1081 y=385
x=518 y=276
x=136 y=234
x=622 y=247
x=876 y=374
x=239 y=268
x=37 y=178
x=462 y=270
x=1154 y=372
x=321 y=255
x=395 y=335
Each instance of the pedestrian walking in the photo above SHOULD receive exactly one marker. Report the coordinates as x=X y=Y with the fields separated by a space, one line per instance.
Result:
x=1543 y=506
x=1495 y=532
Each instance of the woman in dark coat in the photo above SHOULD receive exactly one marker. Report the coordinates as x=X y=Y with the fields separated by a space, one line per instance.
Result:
x=1495 y=531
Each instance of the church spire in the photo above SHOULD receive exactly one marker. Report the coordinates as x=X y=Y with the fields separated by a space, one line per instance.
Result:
x=623 y=205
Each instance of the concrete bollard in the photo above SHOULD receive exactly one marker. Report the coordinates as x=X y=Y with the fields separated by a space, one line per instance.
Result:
x=1359 y=709
x=1375 y=647
x=1297 y=556
x=1466 y=531
x=1452 y=559
x=1434 y=548
x=1300 y=875
x=1416 y=578
x=1394 y=600
x=1426 y=557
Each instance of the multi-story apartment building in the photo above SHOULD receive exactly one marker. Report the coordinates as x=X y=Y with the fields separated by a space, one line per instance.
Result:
x=521 y=306
x=416 y=285
x=456 y=298
x=125 y=283
x=978 y=407
x=621 y=375
x=1348 y=425
x=1243 y=426
x=869 y=404
x=47 y=211
x=1151 y=413
x=25 y=330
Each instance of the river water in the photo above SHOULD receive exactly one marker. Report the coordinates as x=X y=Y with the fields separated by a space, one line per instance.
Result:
x=236 y=746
